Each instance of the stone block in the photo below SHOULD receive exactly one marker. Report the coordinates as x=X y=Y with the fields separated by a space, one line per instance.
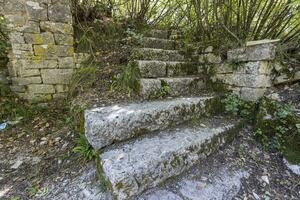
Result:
x=61 y=88
x=53 y=51
x=56 y=27
x=286 y=79
x=258 y=67
x=252 y=94
x=26 y=81
x=40 y=64
x=16 y=38
x=41 y=89
x=67 y=62
x=29 y=72
x=37 y=11
x=29 y=27
x=17 y=88
x=257 y=52
x=56 y=76
x=63 y=39
x=60 y=12
x=13 y=7
x=41 y=38
x=14 y=20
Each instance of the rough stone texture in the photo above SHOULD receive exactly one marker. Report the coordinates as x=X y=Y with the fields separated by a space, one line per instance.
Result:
x=163 y=34
x=210 y=58
x=176 y=86
x=283 y=78
x=157 y=54
x=41 y=38
x=106 y=125
x=248 y=71
x=144 y=163
x=265 y=50
x=152 y=69
x=167 y=44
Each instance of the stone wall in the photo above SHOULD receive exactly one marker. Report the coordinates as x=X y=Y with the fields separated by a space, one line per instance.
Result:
x=41 y=57
x=248 y=71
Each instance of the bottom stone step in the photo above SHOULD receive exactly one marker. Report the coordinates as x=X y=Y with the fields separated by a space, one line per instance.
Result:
x=170 y=86
x=133 y=167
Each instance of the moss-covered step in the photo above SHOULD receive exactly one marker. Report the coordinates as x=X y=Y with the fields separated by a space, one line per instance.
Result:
x=156 y=54
x=155 y=33
x=135 y=166
x=159 y=43
x=106 y=125
x=176 y=86
x=155 y=69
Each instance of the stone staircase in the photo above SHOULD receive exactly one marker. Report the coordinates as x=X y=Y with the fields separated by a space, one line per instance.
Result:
x=161 y=64
x=144 y=144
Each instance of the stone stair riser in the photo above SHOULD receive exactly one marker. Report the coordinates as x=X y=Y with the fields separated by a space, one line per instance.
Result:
x=156 y=54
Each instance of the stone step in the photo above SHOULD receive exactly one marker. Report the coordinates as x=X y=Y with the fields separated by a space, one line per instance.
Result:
x=179 y=86
x=156 y=54
x=158 y=43
x=146 y=162
x=155 y=69
x=106 y=125
x=155 y=33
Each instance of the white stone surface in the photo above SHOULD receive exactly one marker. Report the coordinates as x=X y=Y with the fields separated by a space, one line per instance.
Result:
x=116 y=123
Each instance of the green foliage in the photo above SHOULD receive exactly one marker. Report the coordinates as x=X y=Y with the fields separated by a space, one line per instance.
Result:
x=237 y=107
x=163 y=92
x=128 y=79
x=83 y=147
x=84 y=78
x=277 y=127
x=3 y=43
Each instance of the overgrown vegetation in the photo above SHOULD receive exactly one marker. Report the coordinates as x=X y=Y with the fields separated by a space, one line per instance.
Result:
x=277 y=126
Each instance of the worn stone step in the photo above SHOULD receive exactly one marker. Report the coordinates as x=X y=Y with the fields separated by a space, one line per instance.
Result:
x=156 y=54
x=158 y=43
x=178 y=86
x=106 y=125
x=155 y=33
x=146 y=162
x=155 y=69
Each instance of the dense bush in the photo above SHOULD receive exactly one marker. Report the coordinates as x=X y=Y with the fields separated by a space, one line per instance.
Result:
x=3 y=43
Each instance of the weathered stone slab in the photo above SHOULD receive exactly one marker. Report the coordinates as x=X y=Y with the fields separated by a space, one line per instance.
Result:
x=67 y=62
x=152 y=69
x=260 y=51
x=258 y=67
x=53 y=51
x=41 y=89
x=155 y=33
x=158 y=43
x=156 y=54
x=56 y=27
x=106 y=125
x=286 y=79
x=56 y=76
x=26 y=81
x=246 y=80
x=37 y=11
x=144 y=163
x=60 y=12
x=62 y=39
x=39 y=38
x=149 y=86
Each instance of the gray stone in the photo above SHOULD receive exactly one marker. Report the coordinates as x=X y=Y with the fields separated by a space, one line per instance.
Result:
x=258 y=67
x=40 y=64
x=56 y=27
x=252 y=94
x=264 y=51
x=144 y=163
x=62 y=39
x=39 y=38
x=161 y=195
x=152 y=69
x=286 y=79
x=117 y=123
x=26 y=81
x=149 y=86
x=37 y=11
x=67 y=62
x=16 y=37
x=56 y=76
x=158 y=34
x=60 y=12
x=158 y=43
x=53 y=51
x=41 y=89
x=210 y=58
x=17 y=88
x=29 y=72
x=156 y=54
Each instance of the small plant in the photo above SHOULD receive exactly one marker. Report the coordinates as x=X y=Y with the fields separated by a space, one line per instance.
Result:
x=277 y=128
x=128 y=79
x=84 y=148
x=162 y=92
x=238 y=107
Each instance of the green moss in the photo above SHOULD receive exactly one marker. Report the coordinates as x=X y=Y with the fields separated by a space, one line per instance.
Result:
x=105 y=184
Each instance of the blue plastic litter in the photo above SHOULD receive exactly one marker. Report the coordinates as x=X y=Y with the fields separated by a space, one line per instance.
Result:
x=3 y=126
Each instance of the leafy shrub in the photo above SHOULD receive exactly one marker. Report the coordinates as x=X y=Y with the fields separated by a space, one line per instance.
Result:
x=237 y=107
x=278 y=128
x=3 y=44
